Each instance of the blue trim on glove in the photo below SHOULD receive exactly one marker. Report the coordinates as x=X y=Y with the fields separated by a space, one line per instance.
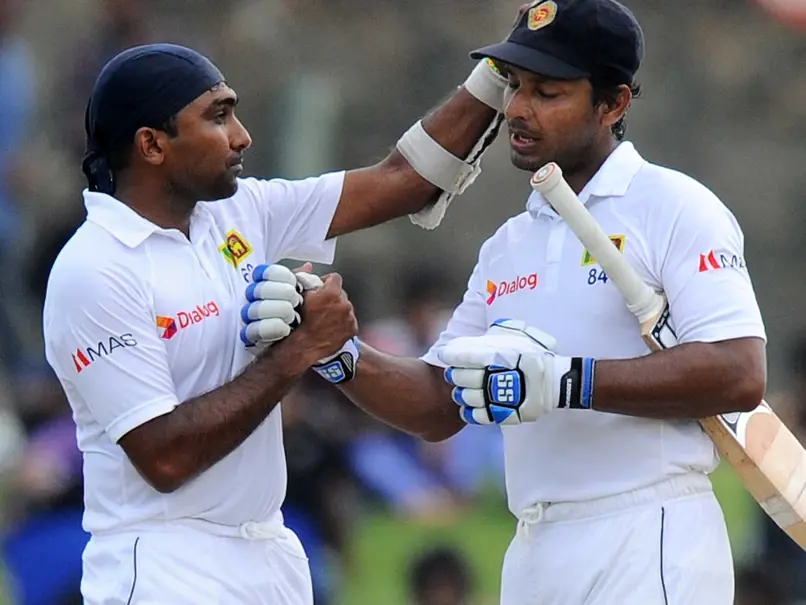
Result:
x=250 y=292
x=259 y=271
x=588 y=364
x=467 y=415
x=456 y=395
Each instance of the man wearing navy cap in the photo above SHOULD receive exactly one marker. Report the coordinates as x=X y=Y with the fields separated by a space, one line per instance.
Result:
x=176 y=418
x=607 y=467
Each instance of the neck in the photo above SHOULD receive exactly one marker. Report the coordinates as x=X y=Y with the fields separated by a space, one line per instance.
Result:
x=162 y=208
x=581 y=174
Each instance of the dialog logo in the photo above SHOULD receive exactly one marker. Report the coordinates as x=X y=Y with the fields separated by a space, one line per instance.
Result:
x=171 y=326
x=504 y=288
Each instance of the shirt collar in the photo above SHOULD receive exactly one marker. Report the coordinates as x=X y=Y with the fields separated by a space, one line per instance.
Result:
x=611 y=180
x=130 y=228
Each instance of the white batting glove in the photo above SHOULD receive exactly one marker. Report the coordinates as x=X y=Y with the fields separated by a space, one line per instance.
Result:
x=510 y=375
x=339 y=367
x=274 y=300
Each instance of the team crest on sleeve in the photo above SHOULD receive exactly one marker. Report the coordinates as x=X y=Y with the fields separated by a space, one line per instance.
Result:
x=235 y=249
x=713 y=261
x=618 y=242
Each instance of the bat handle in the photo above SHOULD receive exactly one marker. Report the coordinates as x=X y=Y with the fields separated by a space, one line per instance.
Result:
x=642 y=301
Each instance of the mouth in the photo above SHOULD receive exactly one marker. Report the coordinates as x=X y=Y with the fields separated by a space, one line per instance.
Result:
x=236 y=165
x=523 y=142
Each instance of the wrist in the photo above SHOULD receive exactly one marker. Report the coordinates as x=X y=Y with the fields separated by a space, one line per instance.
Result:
x=487 y=84
x=300 y=349
x=575 y=385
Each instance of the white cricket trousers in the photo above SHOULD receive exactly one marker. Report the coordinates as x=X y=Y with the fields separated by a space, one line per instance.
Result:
x=197 y=563
x=666 y=544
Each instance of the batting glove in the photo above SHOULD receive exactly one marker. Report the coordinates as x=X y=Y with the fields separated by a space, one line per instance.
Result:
x=339 y=367
x=510 y=375
x=274 y=300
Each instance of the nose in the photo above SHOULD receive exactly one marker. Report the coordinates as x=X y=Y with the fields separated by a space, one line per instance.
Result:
x=240 y=139
x=515 y=104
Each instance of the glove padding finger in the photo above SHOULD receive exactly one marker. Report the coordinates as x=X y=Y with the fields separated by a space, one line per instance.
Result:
x=473 y=398
x=474 y=415
x=269 y=309
x=274 y=273
x=264 y=331
x=463 y=377
x=270 y=290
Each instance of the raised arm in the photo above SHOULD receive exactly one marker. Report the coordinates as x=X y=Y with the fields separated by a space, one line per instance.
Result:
x=393 y=187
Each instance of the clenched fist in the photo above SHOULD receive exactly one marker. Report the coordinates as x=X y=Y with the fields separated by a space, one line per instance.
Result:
x=328 y=317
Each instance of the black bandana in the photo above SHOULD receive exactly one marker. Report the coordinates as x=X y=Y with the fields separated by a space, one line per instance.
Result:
x=142 y=86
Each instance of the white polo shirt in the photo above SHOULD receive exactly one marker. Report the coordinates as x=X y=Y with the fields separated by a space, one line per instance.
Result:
x=139 y=319
x=680 y=238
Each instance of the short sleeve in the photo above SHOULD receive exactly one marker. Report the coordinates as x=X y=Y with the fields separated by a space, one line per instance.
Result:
x=102 y=343
x=297 y=215
x=705 y=277
x=468 y=319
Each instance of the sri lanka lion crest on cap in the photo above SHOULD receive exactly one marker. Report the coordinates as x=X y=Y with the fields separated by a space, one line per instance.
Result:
x=541 y=14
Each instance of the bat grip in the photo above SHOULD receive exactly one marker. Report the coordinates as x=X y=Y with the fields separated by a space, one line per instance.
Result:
x=642 y=301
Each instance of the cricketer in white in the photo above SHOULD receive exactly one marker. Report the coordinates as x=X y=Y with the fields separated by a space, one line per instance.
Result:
x=607 y=466
x=125 y=344
x=177 y=417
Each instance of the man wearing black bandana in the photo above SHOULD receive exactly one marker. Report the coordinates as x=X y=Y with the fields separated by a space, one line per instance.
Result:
x=177 y=420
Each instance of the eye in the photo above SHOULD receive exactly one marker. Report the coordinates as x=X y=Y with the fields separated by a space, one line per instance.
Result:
x=544 y=94
x=221 y=116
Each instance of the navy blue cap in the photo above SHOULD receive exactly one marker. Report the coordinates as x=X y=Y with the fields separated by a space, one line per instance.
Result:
x=570 y=39
x=142 y=86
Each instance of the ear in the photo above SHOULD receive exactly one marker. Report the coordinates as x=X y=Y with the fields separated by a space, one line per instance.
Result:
x=614 y=108
x=150 y=145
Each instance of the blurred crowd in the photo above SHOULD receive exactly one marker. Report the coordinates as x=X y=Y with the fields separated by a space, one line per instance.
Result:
x=329 y=84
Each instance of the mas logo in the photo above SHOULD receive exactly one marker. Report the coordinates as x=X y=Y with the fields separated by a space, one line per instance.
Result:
x=170 y=326
x=711 y=262
x=235 y=248
x=85 y=357
x=521 y=282
x=618 y=242
x=541 y=15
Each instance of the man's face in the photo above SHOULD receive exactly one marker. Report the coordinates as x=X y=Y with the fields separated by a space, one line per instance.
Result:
x=205 y=158
x=549 y=120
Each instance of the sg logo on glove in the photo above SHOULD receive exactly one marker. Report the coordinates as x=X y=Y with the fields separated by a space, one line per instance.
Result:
x=510 y=375
x=504 y=392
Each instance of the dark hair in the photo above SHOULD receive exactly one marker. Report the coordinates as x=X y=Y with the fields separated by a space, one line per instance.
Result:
x=119 y=153
x=442 y=564
x=609 y=95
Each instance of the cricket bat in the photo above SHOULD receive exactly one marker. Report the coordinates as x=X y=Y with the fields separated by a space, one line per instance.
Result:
x=768 y=458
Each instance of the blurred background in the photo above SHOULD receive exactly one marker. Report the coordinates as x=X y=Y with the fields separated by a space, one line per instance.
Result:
x=330 y=84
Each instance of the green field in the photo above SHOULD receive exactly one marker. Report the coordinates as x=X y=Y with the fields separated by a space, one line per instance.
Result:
x=384 y=546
